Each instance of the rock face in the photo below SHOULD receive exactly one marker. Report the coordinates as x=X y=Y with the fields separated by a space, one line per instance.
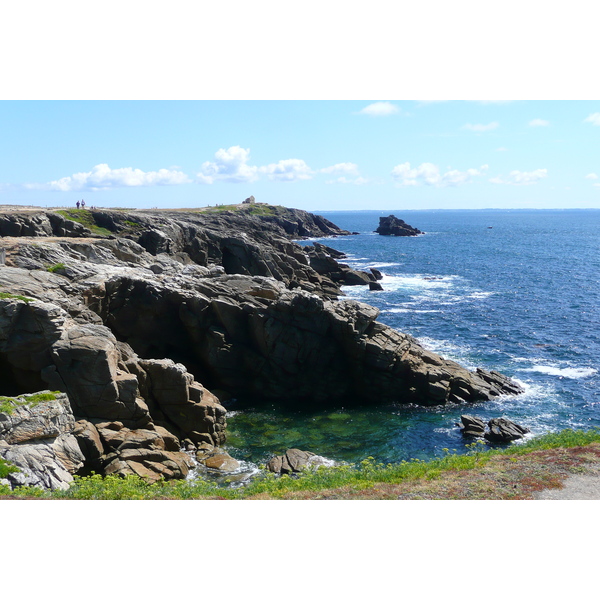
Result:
x=38 y=439
x=393 y=226
x=138 y=327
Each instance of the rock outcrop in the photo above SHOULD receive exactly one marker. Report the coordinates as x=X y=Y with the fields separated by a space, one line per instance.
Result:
x=144 y=330
x=397 y=227
x=36 y=435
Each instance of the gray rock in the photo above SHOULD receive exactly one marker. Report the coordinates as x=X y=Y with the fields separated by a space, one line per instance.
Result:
x=503 y=430
x=471 y=426
x=396 y=227
x=38 y=440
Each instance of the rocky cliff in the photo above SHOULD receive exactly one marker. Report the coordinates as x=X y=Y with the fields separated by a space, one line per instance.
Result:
x=149 y=320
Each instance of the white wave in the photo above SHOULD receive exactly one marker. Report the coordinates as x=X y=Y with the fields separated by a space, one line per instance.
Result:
x=419 y=283
x=479 y=295
x=381 y=265
x=568 y=372
x=408 y=310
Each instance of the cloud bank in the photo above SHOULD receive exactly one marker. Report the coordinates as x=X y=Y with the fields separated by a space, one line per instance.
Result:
x=102 y=177
x=521 y=177
x=379 y=109
x=429 y=174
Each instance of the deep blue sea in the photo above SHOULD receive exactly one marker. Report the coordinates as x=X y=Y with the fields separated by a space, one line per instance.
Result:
x=517 y=291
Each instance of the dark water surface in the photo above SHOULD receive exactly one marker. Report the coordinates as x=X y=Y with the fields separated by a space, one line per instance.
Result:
x=517 y=291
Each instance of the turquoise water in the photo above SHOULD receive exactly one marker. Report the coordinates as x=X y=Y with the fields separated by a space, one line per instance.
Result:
x=517 y=291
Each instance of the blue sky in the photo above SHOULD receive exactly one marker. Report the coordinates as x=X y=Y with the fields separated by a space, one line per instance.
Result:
x=315 y=155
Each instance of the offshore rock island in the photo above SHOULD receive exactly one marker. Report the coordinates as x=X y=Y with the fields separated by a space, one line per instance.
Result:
x=125 y=333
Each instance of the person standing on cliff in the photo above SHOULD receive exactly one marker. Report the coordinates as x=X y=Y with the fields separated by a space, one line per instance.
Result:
x=82 y=203
x=77 y=203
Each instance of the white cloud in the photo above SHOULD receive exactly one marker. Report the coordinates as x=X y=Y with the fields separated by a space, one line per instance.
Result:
x=429 y=174
x=291 y=169
x=502 y=149
x=230 y=165
x=379 y=109
x=539 y=123
x=480 y=128
x=341 y=168
x=355 y=181
x=521 y=177
x=594 y=119
x=102 y=177
x=591 y=176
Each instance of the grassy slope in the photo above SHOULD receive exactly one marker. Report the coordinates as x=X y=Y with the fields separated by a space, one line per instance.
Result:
x=515 y=473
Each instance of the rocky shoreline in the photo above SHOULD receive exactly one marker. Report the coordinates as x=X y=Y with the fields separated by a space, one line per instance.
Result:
x=148 y=322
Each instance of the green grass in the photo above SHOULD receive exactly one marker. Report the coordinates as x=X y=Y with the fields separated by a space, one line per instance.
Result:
x=251 y=209
x=6 y=468
x=55 y=268
x=8 y=404
x=362 y=476
x=7 y=296
x=86 y=218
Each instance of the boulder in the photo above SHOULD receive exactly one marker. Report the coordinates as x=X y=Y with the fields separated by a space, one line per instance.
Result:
x=295 y=461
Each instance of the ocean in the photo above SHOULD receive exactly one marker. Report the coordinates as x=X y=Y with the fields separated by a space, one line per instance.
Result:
x=516 y=291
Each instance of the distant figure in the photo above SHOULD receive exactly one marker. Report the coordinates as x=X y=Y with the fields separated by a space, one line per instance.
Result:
x=83 y=204
x=77 y=203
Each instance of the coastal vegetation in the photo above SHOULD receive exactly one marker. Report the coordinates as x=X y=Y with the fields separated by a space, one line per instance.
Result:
x=8 y=404
x=9 y=296
x=84 y=217
x=55 y=267
x=510 y=473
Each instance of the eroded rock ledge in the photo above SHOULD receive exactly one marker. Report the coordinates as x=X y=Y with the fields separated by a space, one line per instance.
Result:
x=149 y=330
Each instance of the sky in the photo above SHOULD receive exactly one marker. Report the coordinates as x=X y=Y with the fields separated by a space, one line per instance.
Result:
x=320 y=155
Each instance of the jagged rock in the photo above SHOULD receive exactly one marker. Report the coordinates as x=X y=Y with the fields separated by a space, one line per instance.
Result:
x=498 y=429
x=393 y=226
x=503 y=430
x=471 y=426
x=295 y=461
x=37 y=438
x=375 y=287
x=329 y=251
x=376 y=273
